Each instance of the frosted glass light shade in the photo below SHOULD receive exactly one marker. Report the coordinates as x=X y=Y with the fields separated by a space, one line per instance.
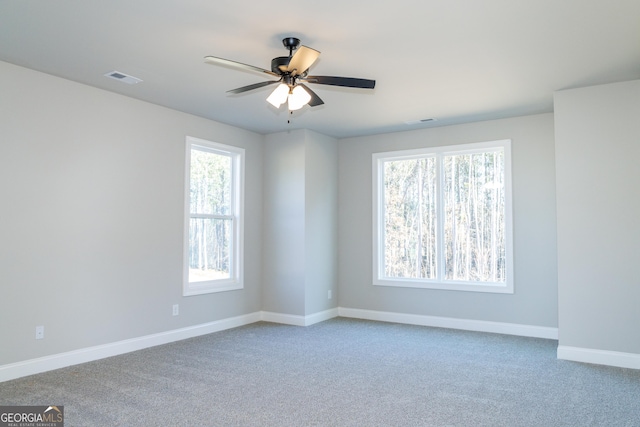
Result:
x=298 y=98
x=279 y=95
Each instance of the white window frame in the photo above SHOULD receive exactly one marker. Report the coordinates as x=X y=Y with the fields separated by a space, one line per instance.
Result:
x=379 y=159
x=236 y=279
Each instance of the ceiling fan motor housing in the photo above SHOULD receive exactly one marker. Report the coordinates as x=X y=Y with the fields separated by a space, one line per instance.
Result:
x=280 y=64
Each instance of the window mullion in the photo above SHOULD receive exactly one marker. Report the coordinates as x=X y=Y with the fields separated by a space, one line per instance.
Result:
x=440 y=220
x=380 y=226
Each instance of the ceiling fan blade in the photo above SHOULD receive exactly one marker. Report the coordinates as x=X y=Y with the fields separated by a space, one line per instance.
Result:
x=253 y=86
x=234 y=64
x=341 y=81
x=315 y=99
x=302 y=60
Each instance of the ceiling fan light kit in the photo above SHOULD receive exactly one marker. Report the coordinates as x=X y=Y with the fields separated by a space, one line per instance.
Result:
x=298 y=98
x=295 y=97
x=292 y=71
x=279 y=95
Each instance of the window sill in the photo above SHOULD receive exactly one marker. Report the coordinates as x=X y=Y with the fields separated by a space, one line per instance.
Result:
x=500 y=288
x=209 y=287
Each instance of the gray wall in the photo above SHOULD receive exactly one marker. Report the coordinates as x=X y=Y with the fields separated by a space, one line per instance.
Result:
x=91 y=208
x=300 y=222
x=597 y=152
x=284 y=223
x=535 y=299
x=321 y=214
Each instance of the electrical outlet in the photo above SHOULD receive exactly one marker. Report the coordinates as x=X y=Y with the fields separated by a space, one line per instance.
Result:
x=329 y=294
x=39 y=332
x=176 y=309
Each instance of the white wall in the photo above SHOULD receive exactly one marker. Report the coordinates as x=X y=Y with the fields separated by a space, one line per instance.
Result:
x=91 y=208
x=535 y=299
x=598 y=204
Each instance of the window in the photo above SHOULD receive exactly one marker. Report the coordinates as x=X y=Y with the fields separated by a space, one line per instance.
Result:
x=213 y=217
x=442 y=218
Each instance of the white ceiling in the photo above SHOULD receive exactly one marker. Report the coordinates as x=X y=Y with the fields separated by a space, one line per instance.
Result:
x=453 y=60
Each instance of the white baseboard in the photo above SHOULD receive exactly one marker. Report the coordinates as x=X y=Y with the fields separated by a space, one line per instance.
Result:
x=75 y=357
x=322 y=316
x=599 y=357
x=286 y=319
x=62 y=360
x=296 y=320
x=452 y=323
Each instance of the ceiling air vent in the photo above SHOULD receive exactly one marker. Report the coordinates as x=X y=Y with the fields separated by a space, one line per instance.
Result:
x=125 y=78
x=417 y=122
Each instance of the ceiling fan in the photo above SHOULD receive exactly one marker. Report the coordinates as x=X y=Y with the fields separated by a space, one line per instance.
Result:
x=291 y=72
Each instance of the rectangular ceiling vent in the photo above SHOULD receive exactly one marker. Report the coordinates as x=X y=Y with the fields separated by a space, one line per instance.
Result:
x=125 y=78
x=417 y=122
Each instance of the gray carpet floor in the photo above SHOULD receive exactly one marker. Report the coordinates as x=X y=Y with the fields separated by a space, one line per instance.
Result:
x=342 y=372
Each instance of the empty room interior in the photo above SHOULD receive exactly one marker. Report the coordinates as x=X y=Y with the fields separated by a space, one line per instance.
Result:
x=172 y=171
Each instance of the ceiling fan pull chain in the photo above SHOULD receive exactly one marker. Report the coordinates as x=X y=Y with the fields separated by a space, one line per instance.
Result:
x=289 y=119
